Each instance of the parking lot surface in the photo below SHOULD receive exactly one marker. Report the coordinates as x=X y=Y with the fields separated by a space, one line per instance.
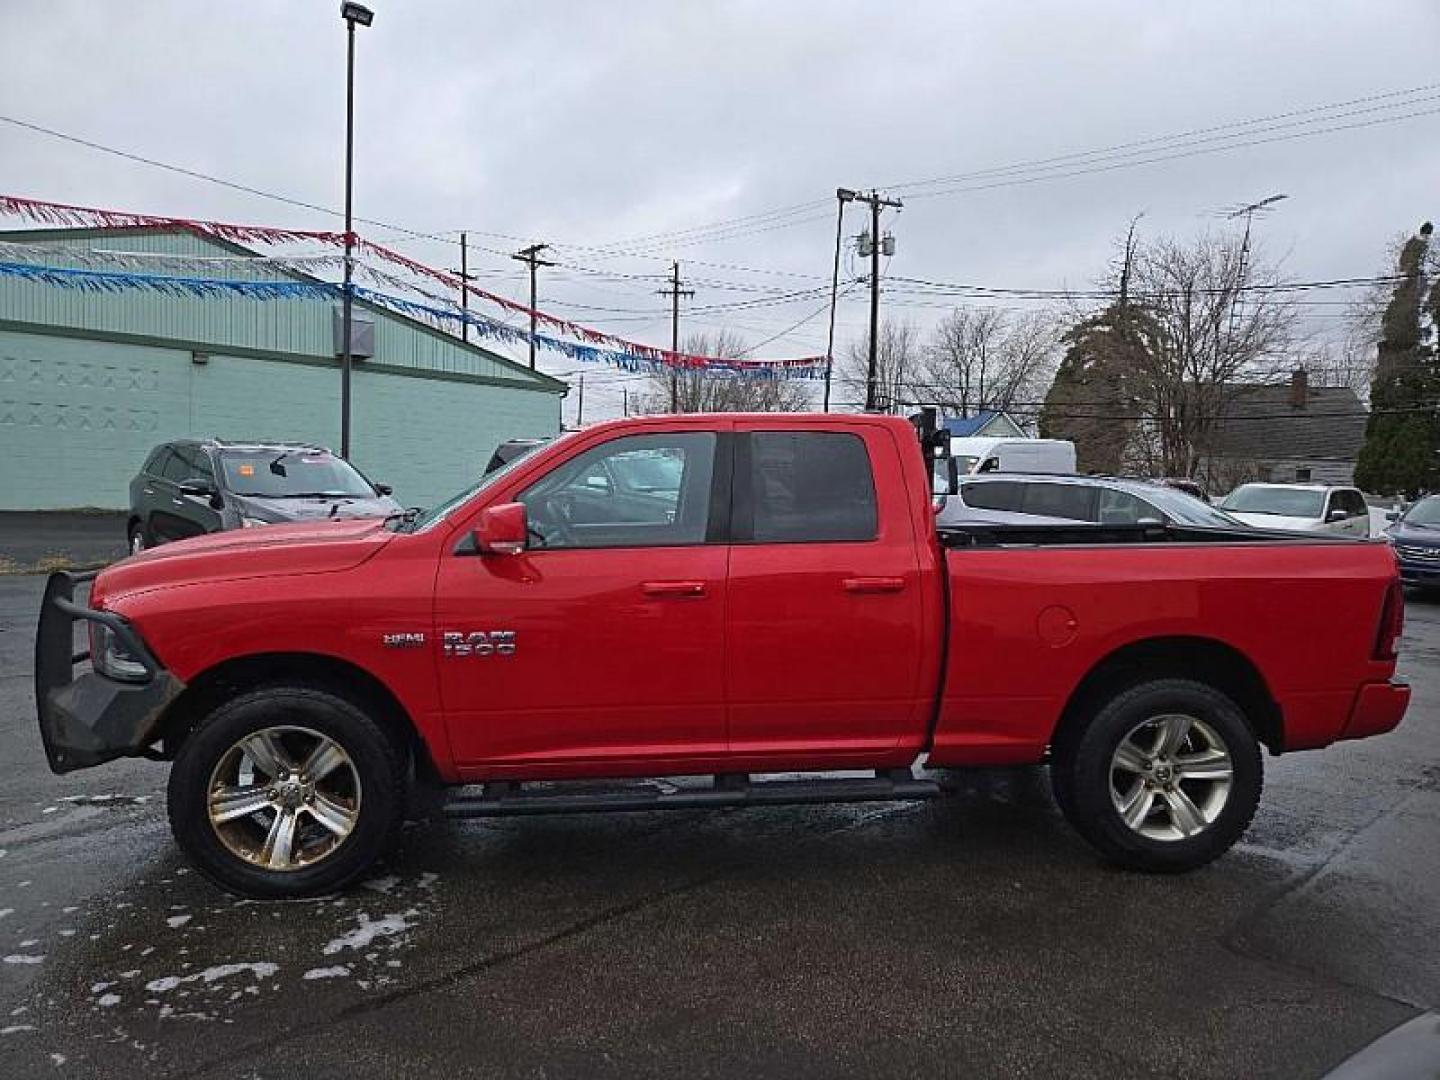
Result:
x=974 y=936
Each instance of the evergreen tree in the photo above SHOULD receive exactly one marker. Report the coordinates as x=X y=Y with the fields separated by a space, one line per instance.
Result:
x=1401 y=454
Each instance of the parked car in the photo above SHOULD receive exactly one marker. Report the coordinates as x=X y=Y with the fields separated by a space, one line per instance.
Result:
x=511 y=450
x=973 y=455
x=1102 y=500
x=791 y=608
x=1300 y=508
x=1415 y=536
x=194 y=486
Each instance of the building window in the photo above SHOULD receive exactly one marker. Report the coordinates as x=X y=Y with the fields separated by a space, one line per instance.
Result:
x=1302 y=475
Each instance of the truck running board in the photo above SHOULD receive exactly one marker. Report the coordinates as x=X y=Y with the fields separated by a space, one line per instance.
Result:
x=506 y=798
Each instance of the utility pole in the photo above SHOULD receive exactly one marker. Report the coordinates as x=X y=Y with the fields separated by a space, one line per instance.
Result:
x=465 y=278
x=675 y=292
x=531 y=255
x=876 y=245
x=842 y=196
x=580 y=404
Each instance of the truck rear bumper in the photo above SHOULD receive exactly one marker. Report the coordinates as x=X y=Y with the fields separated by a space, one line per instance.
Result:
x=1378 y=708
x=90 y=719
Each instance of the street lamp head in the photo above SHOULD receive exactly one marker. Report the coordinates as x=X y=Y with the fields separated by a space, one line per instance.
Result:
x=354 y=13
x=844 y=194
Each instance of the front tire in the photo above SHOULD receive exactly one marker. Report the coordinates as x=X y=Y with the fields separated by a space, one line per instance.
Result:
x=286 y=791
x=138 y=538
x=1164 y=777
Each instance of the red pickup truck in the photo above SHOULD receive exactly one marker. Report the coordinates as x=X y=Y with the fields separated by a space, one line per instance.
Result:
x=729 y=597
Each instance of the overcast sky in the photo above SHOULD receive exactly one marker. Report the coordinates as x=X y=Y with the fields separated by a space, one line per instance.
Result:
x=593 y=125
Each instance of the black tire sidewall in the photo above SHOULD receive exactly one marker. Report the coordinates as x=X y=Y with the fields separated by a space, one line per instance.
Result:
x=371 y=751
x=1086 y=779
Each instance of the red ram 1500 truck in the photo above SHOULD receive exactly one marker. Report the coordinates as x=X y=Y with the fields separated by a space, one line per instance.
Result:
x=709 y=596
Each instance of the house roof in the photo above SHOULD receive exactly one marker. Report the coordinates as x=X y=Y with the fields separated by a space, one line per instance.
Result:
x=1260 y=424
x=961 y=427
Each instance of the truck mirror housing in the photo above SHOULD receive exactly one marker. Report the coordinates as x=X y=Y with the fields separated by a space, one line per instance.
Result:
x=502 y=530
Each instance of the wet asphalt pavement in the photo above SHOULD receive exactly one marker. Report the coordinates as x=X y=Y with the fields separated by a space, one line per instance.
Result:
x=974 y=936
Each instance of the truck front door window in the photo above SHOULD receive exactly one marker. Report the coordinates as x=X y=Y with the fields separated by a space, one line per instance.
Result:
x=637 y=491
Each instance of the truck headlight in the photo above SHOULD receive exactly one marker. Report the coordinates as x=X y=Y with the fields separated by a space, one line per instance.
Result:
x=109 y=658
x=251 y=523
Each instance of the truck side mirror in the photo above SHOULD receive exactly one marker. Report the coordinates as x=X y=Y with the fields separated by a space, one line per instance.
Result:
x=1337 y=515
x=384 y=489
x=502 y=530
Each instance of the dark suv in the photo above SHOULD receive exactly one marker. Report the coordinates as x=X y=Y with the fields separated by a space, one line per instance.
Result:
x=194 y=486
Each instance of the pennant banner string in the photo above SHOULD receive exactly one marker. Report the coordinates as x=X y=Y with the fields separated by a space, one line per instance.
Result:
x=73 y=216
x=438 y=313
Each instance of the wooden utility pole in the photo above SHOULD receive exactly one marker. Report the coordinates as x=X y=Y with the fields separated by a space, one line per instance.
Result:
x=675 y=292
x=876 y=201
x=580 y=404
x=531 y=255
x=465 y=278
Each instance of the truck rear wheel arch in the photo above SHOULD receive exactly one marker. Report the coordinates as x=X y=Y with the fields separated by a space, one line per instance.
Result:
x=339 y=677
x=1204 y=660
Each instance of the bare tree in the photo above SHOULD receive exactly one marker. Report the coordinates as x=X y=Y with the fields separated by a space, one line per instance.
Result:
x=897 y=362
x=1215 y=322
x=701 y=391
x=986 y=358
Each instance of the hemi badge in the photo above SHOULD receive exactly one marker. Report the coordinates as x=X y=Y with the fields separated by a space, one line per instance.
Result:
x=403 y=641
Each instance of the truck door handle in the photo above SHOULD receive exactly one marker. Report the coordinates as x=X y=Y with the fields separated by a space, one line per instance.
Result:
x=673 y=588
x=874 y=584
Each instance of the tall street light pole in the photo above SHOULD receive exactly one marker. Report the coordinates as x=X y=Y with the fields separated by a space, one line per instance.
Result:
x=353 y=14
x=842 y=196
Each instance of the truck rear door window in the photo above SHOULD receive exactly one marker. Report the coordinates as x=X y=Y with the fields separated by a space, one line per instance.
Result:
x=809 y=487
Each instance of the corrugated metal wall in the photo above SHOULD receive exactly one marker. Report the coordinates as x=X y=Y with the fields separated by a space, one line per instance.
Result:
x=79 y=411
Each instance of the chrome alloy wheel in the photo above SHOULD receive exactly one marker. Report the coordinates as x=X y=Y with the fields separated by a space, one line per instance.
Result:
x=283 y=798
x=1170 y=777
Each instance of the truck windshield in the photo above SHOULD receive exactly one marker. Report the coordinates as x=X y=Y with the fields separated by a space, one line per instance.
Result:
x=292 y=474
x=1281 y=501
x=430 y=518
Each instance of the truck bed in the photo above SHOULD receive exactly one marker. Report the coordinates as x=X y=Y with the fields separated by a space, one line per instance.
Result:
x=1027 y=628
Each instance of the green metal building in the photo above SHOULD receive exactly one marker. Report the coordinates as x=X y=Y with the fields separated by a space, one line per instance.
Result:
x=91 y=381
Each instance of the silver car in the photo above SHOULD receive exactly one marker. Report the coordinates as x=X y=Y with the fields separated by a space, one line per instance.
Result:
x=1039 y=499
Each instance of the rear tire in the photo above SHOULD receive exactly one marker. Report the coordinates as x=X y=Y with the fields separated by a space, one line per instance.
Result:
x=1164 y=777
x=286 y=791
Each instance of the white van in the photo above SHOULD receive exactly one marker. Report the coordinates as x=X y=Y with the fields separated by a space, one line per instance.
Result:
x=975 y=455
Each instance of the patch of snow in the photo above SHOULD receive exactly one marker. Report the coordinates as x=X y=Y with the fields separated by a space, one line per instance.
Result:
x=340 y=971
x=177 y=921
x=29 y=942
x=369 y=930
x=57 y=1060
x=106 y=800
x=382 y=884
x=427 y=880
x=71 y=909
x=49 y=809
x=15 y=1029
x=261 y=969
x=22 y=958
x=66 y=933
x=107 y=1000
x=6 y=911
x=101 y=987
